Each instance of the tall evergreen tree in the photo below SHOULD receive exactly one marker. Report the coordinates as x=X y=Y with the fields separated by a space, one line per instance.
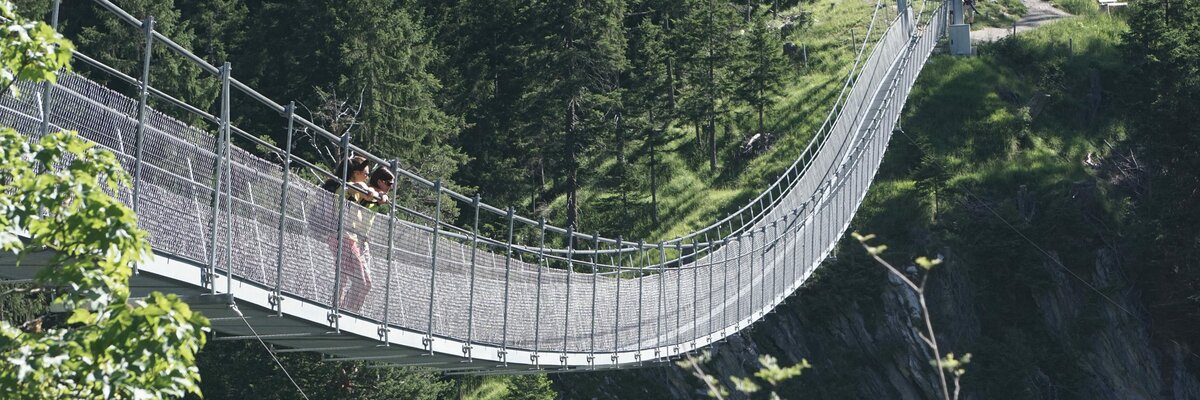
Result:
x=649 y=93
x=1163 y=45
x=289 y=53
x=119 y=45
x=220 y=26
x=764 y=67
x=710 y=49
x=385 y=58
x=486 y=44
x=577 y=67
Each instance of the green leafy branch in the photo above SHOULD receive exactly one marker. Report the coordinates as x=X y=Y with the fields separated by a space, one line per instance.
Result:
x=948 y=364
x=57 y=193
x=29 y=50
x=771 y=373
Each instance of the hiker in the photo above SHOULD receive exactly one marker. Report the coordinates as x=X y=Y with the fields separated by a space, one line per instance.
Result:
x=354 y=266
x=356 y=181
x=380 y=181
x=969 y=10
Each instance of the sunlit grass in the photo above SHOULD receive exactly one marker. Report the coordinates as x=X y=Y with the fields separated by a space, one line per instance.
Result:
x=1078 y=7
x=492 y=388
x=690 y=195
x=997 y=13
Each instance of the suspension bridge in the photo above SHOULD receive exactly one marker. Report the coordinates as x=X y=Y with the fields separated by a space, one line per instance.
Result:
x=251 y=245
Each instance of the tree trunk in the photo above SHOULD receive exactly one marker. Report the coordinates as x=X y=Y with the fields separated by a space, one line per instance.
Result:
x=670 y=68
x=572 y=164
x=671 y=82
x=653 y=171
x=712 y=144
x=571 y=121
x=761 y=102
x=535 y=194
x=621 y=169
x=712 y=101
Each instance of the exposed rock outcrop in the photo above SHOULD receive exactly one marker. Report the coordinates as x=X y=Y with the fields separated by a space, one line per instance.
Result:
x=872 y=351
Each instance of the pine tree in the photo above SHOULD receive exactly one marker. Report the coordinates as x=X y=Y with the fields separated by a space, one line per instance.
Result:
x=220 y=26
x=385 y=58
x=764 y=68
x=650 y=92
x=289 y=53
x=577 y=65
x=486 y=48
x=117 y=44
x=709 y=36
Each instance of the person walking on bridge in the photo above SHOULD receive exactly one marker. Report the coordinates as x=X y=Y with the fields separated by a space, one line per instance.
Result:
x=354 y=266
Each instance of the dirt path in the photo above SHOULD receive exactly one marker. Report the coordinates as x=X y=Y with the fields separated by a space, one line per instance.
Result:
x=1040 y=13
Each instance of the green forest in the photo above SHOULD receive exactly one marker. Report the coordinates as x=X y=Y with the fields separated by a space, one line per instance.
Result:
x=651 y=118
x=582 y=112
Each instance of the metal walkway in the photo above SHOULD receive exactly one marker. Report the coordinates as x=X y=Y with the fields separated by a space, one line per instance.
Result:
x=449 y=297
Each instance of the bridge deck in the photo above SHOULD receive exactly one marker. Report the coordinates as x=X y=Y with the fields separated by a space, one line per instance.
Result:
x=448 y=300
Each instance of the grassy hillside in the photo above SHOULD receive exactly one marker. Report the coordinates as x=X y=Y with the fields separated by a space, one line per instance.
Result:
x=692 y=196
x=997 y=13
x=991 y=169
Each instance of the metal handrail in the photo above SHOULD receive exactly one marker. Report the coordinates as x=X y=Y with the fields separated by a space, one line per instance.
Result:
x=627 y=246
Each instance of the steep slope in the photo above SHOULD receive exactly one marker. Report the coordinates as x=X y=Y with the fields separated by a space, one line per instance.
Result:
x=1014 y=167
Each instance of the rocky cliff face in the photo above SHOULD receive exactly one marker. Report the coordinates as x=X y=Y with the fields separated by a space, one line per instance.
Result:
x=868 y=347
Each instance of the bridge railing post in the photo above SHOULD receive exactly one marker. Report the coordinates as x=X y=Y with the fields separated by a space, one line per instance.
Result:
x=762 y=259
x=385 y=329
x=503 y=353
x=220 y=158
x=341 y=237
x=228 y=171
x=678 y=295
x=770 y=201
x=750 y=257
x=658 y=325
x=276 y=299
x=567 y=307
x=617 y=306
x=777 y=266
x=741 y=229
x=47 y=87
x=711 y=256
x=433 y=255
x=641 y=288
x=794 y=266
x=797 y=259
x=696 y=288
x=818 y=230
x=778 y=258
x=226 y=124
x=537 y=303
x=471 y=286
x=143 y=92
x=738 y=314
x=595 y=277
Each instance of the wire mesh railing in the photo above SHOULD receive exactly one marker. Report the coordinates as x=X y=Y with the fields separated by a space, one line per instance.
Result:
x=242 y=218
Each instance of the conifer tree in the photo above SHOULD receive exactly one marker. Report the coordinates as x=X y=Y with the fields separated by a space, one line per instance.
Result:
x=650 y=91
x=709 y=36
x=219 y=26
x=385 y=59
x=764 y=66
x=577 y=67
x=119 y=45
x=486 y=48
